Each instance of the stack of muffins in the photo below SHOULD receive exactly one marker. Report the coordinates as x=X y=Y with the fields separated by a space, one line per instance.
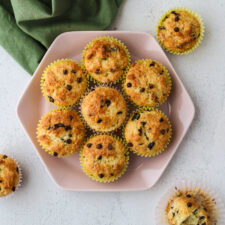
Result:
x=107 y=106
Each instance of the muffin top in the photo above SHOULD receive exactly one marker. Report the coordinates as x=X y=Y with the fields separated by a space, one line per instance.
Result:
x=105 y=60
x=185 y=209
x=179 y=31
x=104 y=158
x=147 y=133
x=64 y=83
x=104 y=109
x=9 y=175
x=61 y=132
x=147 y=83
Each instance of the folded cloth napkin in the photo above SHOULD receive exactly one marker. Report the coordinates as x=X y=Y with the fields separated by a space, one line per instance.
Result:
x=28 y=27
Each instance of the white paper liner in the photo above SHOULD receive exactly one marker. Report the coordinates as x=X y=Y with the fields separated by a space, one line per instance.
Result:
x=218 y=212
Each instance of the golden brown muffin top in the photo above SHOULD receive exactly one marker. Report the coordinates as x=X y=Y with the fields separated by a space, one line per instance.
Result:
x=185 y=209
x=147 y=133
x=147 y=83
x=64 y=83
x=9 y=175
x=179 y=31
x=61 y=133
x=104 y=157
x=104 y=109
x=105 y=60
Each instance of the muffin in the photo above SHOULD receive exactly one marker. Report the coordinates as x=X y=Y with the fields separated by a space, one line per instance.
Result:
x=147 y=133
x=9 y=175
x=104 y=158
x=104 y=109
x=63 y=82
x=147 y=83
x=60 y=132
x=185 y=209
x=180 y=30
x=105 y=59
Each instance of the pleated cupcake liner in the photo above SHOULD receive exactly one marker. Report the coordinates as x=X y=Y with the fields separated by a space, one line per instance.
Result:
x=44 y=75
x=155 y=153
x=203 y=192
x=197 y=16
x=104 y=180
x=38 y=130
x=157 y=104
x=81 y=114
x=107 y=38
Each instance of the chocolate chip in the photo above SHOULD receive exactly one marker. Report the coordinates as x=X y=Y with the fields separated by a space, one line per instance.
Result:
x=68 y=141
x=110 y=147
x=120 y=112
x=65 y=71
x=49 y=128
x=101 y=106
x=0 y=181
x=73 y=71
x=17 y=169
x=68 y=87
x=175 y=13
x=161 y=73
x=13 y=188
x=90 y=114
x=136 y=116
x=177 y=18
x=70 y=117
x=99 y=146
x=165 y=18
x=141 y=144
x=101 y=175
x=129 y=144
x=189 y=204
x=173 y=214
x=100 y=157
x=152 y=64
x=57 y=125
x=107 y=102
x=142 y=90
x=162 y=131
x=140 y=131
x=162 y=28
x=111 y=174
x=89 y=145
x=97 y=71
x=112 y=70
x=79 y=80
x=151 y=145
x=129 y=85
x=143 y=123
x=188 y=196
x=70 y=135
x=99 y=121
x=51 y=99
x=202 y=217
x=146 y=136
x=68 y=127
x=161 y=120
x=151 y=86
x=55 y=154
x=176 y=29
x=205 y=209
x=5 y=156
x=204 y=223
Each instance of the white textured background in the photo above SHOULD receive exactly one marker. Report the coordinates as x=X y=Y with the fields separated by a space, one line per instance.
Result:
x=200 y=156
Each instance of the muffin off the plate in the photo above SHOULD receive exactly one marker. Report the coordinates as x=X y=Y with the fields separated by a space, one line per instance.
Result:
x=104 y=109
x=60 y=132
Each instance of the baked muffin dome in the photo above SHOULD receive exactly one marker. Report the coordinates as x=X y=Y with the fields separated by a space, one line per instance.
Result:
x=63 y=83
x=185 y=209
x=105 y=59
x=104 y=109
x=9 y=175
x=179 y=31
x=147 y=83
x=60 y=132
x=104 y=158
x=147 y=133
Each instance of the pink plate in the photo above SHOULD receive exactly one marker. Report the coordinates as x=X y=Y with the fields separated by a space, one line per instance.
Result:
x=142 y=173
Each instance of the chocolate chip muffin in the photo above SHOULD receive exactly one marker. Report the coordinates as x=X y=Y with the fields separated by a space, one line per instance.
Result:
x=104 y=109
x=180 y=30
x=147 y=83
x=9 y=175
x=104 y=158
x=60 y=132
x=63 y=82
x=105 y=59
x=147 y=133
x=185 y=209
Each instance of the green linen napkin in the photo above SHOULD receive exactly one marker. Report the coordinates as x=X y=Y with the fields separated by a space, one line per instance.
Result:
x=28 y=27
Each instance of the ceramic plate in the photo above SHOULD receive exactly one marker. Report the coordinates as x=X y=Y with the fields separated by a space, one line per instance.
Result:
x=142 y=173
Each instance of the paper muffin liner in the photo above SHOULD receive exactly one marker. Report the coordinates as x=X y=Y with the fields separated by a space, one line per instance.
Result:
x=157 y=104
x=107 y=38
x=140 y=110
x=206 y=195
x=83 y=119
x=49 y=67
x=38 y=127
x=5 y=197
x=202 y=30
x=103 y=180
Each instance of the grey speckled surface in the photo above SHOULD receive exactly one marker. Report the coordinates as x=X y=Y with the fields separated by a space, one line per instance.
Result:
x=200 y=156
